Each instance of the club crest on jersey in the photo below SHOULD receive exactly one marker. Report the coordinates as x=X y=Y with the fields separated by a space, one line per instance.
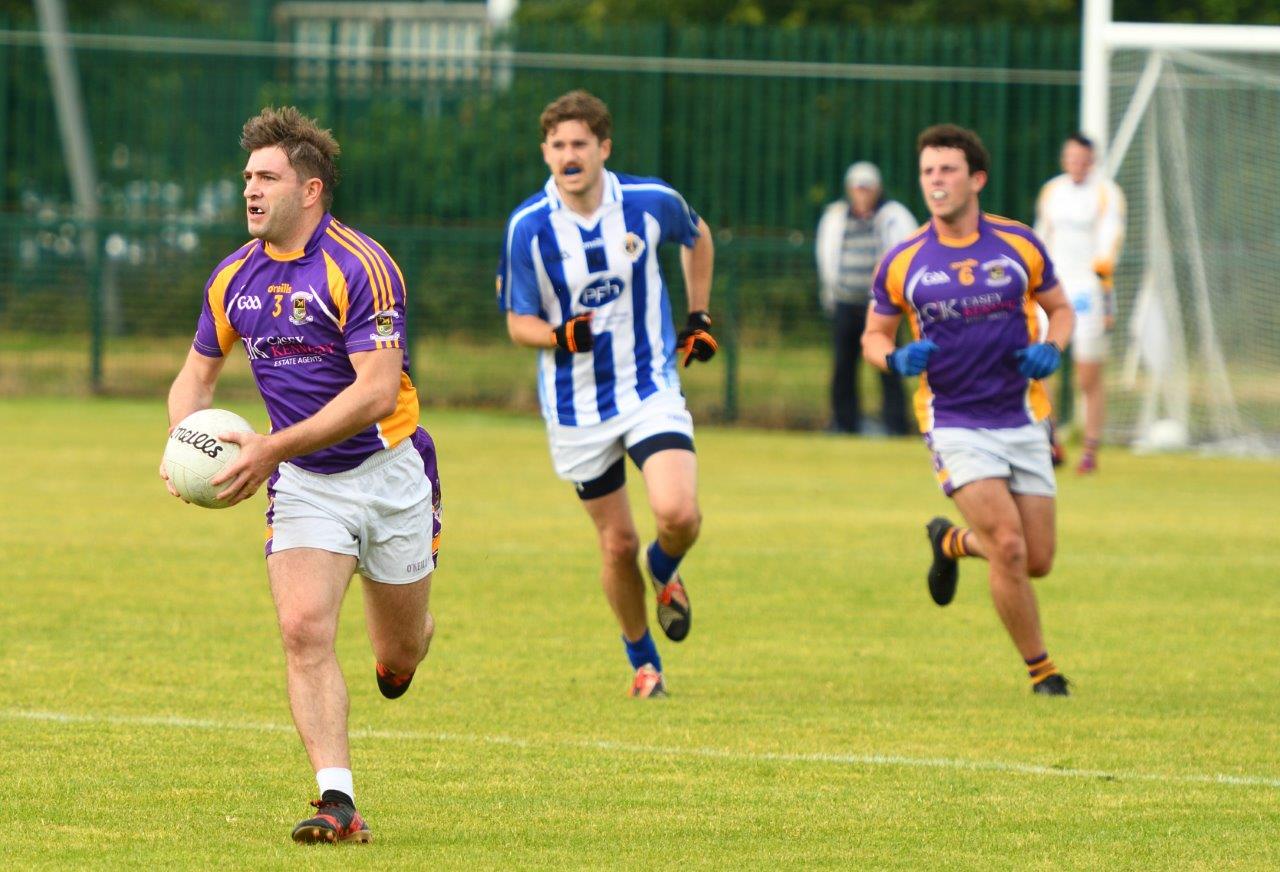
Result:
x=633 y=246
x=384 y=323
x=997 y=275
x=298 y=308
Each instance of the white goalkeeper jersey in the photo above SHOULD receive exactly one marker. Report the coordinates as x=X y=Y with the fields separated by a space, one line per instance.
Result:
x=557 y=264
x=1082 y=225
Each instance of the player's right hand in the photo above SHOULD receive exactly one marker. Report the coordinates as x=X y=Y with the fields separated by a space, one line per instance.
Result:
x=575 y=334
x=911 y=359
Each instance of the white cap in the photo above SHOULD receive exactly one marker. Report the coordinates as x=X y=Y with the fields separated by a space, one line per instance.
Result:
x=863 y=174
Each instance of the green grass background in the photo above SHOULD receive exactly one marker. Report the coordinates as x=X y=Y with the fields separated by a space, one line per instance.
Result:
x=146 y=626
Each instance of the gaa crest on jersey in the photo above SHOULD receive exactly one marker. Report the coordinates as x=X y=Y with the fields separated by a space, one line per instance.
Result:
x=384 y=323
x=298 y=313
x=633 y=246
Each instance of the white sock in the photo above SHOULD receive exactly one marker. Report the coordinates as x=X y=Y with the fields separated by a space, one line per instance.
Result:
x=333 y=778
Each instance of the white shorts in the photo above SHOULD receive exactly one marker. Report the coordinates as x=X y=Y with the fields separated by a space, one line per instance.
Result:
x=1020 y=454
x=1089 y=340
x=385 y=512
x=582 y=454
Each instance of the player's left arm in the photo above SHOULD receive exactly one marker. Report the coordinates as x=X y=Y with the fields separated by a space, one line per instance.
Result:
x=367 y=400
x=697 y=262
x=1043 y=358
x=1062 y=317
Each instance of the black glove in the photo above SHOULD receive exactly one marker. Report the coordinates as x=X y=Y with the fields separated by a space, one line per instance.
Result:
x=695 y=340
x=575 y=334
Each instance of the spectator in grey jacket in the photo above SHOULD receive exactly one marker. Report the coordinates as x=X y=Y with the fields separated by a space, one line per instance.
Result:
x=852 y=235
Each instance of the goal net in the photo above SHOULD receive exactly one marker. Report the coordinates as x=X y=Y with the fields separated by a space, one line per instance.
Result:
x=1195 y=146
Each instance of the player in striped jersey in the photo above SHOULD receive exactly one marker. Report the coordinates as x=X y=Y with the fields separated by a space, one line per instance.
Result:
x=351 y=477
x=579 y=279
x=970 y=284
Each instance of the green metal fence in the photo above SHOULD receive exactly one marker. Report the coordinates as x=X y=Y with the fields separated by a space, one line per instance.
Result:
x=755 y=126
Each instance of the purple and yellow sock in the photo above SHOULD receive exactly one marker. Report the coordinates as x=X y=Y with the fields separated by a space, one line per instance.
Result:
x=955 y=543
x=1091 y=447
x=1040 y=668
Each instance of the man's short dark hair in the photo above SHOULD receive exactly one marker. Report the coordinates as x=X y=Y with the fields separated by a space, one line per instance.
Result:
x=954 y=136
x=578 y=106
x=1080 y=139
x=311 y=149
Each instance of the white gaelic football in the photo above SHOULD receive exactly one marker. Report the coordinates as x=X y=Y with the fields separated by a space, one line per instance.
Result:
x=194 y=454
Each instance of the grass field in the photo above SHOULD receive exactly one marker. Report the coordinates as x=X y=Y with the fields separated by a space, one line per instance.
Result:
x=824 y=714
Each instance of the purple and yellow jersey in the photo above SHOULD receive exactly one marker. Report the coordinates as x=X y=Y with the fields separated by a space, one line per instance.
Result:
x=300 y=315
x=974 y=298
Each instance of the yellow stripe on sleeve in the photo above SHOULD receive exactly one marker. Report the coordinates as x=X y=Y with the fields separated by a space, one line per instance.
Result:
x=227 y=334
x=1030 y=255
x=405 y=289
x=379 y=268
x=364 y=262
x=895 y=280
x=337 y=289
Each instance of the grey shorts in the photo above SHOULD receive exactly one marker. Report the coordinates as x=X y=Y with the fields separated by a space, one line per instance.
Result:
x=385 y=512
x=1021 y=455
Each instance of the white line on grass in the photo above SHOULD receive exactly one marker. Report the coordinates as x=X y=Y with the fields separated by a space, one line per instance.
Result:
x=892 y=760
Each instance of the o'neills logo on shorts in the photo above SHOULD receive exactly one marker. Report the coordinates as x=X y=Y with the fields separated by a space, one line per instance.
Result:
x=202 y=442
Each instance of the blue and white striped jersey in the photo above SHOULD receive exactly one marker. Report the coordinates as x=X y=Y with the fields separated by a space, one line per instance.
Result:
x=557 y=264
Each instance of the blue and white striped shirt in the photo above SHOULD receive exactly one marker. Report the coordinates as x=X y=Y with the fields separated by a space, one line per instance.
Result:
x=557 y=264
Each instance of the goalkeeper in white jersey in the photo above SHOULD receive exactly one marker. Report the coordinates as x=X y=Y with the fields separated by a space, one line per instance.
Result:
x=1080 y=217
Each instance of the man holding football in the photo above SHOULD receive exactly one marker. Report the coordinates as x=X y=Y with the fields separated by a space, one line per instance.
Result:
x=351 y=477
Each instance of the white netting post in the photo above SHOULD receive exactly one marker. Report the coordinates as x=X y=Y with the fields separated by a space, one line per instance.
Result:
x=1196 y=110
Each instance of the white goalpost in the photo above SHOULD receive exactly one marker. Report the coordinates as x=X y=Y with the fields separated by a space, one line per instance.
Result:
x=1191 y=118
